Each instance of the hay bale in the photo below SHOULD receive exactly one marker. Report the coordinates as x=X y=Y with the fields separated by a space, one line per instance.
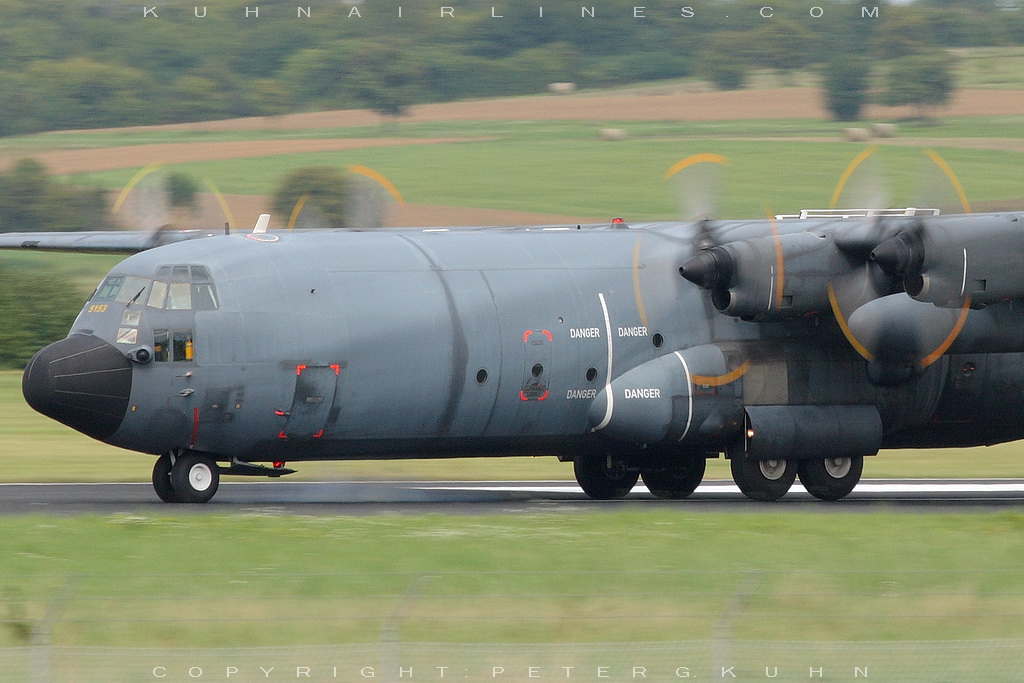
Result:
x=883 y=130
x=613 y=134
x=857 y=135
x=561 y=88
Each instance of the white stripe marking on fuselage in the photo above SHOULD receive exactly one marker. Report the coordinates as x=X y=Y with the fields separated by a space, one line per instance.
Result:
x=689 y=395
x=610 y=402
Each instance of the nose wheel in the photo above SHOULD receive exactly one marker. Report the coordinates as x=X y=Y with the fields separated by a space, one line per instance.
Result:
x=187 y=478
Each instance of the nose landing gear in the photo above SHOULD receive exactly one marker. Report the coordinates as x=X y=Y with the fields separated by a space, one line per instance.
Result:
x=185 y=477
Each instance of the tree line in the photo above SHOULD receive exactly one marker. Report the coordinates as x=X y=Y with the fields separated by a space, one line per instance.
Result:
x=66 y=64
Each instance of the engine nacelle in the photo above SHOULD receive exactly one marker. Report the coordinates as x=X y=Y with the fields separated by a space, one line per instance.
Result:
x=769 y=278
x=945 y=261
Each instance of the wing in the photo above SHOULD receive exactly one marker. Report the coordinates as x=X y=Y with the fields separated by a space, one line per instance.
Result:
x=98 y=242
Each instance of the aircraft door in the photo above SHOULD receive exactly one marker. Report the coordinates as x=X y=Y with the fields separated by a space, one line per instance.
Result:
x=315 y=389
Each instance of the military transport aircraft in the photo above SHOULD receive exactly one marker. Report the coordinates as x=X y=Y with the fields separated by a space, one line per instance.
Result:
x=795 y=345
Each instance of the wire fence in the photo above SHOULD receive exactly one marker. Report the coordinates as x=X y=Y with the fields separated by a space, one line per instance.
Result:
x=756 y=625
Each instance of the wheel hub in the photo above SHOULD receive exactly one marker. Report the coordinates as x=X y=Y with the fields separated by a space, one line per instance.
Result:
x=200 y=477
x=837 y=468
x=772 y=469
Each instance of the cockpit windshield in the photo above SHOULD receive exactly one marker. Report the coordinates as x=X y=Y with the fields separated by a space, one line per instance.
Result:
x=176 y=288
x=183 y=288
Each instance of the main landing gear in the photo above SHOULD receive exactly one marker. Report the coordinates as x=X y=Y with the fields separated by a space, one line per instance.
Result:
x=825 y=479
x=831 y=478
x=674 y=475
x=666 y=473
x=604 y=477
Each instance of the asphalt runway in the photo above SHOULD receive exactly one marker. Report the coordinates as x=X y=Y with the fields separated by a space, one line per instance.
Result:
x=470 y=498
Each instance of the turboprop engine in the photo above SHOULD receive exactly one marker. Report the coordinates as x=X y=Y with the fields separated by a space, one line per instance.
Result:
x=945 y=261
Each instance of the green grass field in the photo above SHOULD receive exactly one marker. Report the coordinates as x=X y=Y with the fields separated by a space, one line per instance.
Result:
x=592 y=178
x=632 y=575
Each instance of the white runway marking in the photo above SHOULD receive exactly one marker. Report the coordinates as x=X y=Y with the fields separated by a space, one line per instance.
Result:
x=916 y=486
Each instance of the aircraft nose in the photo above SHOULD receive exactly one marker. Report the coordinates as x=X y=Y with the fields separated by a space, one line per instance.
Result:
x=81 y=381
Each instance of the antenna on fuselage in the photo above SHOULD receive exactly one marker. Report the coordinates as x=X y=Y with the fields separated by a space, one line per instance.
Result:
x=261 y=224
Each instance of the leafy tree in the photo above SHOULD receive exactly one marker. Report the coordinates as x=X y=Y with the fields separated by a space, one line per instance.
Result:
x=724 y=70
x=194 y=98
x=325 y=189
x=903 y=31
x=783 y=45
x=924 y=81
x=24 y=197
x=31 y=200
x=182 y=191
x=38 y=309
x=83 y=93
x=384 y=79
x=845 y=87
x=723 y=60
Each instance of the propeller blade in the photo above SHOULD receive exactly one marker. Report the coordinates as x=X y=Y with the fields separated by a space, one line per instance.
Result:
x=698 y=188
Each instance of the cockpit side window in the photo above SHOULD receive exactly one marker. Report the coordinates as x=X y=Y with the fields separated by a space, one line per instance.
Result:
x=109 y=288
x=173 y=345
x=161 y=344
x=204 y=297
x=121 y=288
x=182 y=344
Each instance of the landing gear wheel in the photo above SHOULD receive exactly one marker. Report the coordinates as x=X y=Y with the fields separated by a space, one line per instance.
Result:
x=602 y=477
x=195 y=477
x=677 y=481
x=831 y=478
x=162 y=480
x=764 y=480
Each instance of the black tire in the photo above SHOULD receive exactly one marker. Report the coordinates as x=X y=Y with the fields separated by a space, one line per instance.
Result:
x=763 y=480
x=162 y=480
x=195 y=477
x=677 y=481
x=603 y=478
x=831 y=478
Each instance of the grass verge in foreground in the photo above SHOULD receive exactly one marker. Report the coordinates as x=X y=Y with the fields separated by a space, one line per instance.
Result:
x=625 y=576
